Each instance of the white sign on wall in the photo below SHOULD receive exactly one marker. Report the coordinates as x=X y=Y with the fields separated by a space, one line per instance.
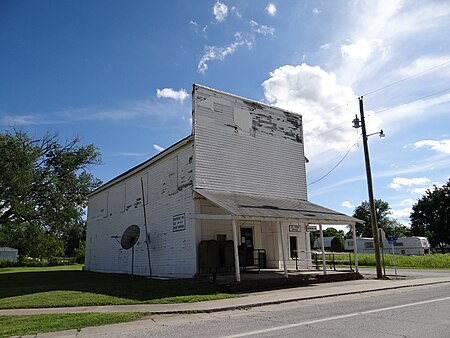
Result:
x=179 y=222
x=295 y=228
x=311 y=228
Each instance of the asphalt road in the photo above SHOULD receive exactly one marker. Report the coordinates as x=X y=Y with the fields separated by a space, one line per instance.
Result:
x=406 y=273
x=409 y=312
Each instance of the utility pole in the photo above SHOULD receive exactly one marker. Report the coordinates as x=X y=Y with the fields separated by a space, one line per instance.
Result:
x=373 y=215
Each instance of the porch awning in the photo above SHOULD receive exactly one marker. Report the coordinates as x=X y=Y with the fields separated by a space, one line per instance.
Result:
x=243 y=205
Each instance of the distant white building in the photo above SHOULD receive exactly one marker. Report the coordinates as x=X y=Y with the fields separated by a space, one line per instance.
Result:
x=8 y=253
x=403 y=245
x=231 y=194
x=329 y=243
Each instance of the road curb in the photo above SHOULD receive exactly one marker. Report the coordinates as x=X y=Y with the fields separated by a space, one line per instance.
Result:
x=282 y=301
x=9 y=312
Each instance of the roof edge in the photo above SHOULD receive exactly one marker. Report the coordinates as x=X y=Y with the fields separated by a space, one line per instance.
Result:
x=244 y=99
x=142 y=165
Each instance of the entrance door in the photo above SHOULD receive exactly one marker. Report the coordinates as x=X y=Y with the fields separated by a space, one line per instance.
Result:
x=247 y=245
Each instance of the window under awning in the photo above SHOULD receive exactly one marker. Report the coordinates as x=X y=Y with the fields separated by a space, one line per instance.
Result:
x=244 y=206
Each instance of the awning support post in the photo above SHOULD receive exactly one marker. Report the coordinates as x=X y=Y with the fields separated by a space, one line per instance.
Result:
x=283 y=250
x=355 y=248
x=307 y=247
x=324 y=263
x=236 y=252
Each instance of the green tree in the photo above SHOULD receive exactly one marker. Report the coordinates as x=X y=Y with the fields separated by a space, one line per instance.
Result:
x=328 y=232
x=339 y=234
x=43 y=190
x=390 y=225
x=431 y=216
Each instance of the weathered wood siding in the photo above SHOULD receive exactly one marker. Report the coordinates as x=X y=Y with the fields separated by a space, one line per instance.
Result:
x=167 y=193
x=244 y=146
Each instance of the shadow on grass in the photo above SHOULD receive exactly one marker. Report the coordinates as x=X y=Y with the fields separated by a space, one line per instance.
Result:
x=123 y=286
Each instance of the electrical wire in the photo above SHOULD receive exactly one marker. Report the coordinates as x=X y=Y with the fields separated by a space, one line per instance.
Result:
x=385 y=109
x=335 y=166
x=390 y=85
x=407 y=78
x=415 y=100
x=391 y=107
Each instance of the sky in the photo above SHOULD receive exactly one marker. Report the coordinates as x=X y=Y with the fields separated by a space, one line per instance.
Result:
x=119 y=74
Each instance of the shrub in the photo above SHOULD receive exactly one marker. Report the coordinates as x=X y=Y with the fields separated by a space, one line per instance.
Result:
x=6 y=263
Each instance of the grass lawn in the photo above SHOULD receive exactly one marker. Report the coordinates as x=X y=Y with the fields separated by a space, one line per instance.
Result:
x=74 y=267
x=435 y=261
x=23 y=325
x=61 y=287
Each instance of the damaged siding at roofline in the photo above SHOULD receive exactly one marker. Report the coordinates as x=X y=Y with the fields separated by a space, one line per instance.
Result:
x=245 y=146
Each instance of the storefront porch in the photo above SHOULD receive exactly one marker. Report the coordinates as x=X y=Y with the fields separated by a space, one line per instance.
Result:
x=243 y=232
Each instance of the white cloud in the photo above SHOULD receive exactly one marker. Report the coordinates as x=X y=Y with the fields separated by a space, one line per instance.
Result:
x=129 y=154
x=325 y=46
x=133 y=112
x=169 y=93
x=271 y=9
x=419 y=191
x=347 y=204
x=405 y=114
x=220 y=11
x=442 y=146
x=326 y=106
x=22 y=120
x=401 y=213
x=316 y=11
x=422 y=190
x=360 y=50
x=408 y=201
x=236 y=11
x=220 y=53
x=401 y=182
x=395 y=24
x=261 y=29
x=424 y=63
x=158 y=148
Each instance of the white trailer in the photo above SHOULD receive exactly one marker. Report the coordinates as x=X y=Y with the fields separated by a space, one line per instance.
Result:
x=403 y=246
x=9 y=254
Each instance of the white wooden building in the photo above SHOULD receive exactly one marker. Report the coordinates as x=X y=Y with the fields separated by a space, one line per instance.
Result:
x=240 y=176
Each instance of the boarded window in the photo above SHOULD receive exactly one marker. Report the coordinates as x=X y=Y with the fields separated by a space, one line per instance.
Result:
x=133 y=192
x=98 y=205
x=173 y=176
x=242 y=119
x=116 y=199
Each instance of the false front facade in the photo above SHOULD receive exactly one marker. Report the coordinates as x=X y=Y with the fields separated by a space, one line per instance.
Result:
x=230 y=196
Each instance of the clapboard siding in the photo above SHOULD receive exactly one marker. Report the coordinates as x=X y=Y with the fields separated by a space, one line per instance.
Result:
x=244 y=146
x=167 y=192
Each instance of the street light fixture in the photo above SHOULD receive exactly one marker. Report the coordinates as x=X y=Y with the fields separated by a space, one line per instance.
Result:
x=373 y=217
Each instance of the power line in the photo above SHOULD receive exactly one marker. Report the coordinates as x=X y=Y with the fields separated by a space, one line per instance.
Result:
x=393 y=84
x=376 y=112
x=415 y=100
x=391 y=107
x=384 y=87
x=335 y=166
x=407 y=78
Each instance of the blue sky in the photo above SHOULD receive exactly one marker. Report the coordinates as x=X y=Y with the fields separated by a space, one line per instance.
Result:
x=119 y=74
